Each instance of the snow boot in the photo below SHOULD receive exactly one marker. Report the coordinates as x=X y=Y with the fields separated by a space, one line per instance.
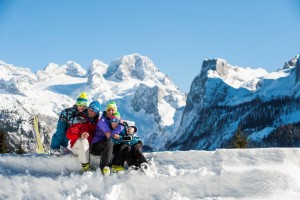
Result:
x=133 y=169
x=106 y=171
x=145 y=168
x=55 y=152
x=118 y=169
x=86 y=167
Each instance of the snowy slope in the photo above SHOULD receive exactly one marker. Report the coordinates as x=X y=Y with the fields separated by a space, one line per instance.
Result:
x=272 y=174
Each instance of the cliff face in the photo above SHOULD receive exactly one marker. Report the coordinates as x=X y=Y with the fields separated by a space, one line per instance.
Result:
x=224 y=98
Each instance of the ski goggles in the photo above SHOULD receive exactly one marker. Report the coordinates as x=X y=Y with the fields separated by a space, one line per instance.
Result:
x=81 y=103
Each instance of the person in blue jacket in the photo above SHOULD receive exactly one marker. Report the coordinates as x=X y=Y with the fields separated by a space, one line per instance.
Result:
x=128 y=146
x=135 y=157
x=67 y=117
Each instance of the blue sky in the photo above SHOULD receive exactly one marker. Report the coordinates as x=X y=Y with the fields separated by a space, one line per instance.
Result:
x=176 y=35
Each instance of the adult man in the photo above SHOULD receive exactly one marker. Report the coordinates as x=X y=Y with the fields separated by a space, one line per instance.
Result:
x=81 y=134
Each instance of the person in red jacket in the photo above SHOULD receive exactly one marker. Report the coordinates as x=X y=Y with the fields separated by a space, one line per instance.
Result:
x=81 y=134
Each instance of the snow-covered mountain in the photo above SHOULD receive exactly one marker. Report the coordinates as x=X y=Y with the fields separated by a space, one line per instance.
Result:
x=252 y=174
x=224 y=98
x=144 y=95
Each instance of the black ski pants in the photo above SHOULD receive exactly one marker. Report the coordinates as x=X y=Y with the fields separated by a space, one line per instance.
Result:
x=135 y=155
x=120 y=151
x=105 y=149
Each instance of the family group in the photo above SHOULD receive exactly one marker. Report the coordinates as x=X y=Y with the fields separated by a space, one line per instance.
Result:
x=85 y=130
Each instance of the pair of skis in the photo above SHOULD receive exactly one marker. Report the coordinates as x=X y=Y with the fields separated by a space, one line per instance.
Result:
x=37 y=135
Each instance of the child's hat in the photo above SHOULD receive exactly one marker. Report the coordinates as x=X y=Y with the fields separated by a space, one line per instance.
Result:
x=116 y=117
x=117 y=114
x=135 y=128
x=114 y=120
x=82 y=99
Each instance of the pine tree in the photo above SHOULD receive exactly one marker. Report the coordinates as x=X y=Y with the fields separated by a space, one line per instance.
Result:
x=3 y=142
x=20 y=150
x=239 y=140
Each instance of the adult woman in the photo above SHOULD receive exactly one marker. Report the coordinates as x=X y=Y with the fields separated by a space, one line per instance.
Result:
x=101 y=143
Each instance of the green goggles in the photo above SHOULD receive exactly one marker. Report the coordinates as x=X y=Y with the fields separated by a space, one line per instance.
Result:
x=81 y=103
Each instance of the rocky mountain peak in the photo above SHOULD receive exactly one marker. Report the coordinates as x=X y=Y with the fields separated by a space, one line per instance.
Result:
x=95 y=73
x=73 y=69
x=70 y=68
x=291 y=63
x=220 y=66
x=9 y=71
x=131 y=66
x=208 y=64
x=15 y=79
x=98 y=67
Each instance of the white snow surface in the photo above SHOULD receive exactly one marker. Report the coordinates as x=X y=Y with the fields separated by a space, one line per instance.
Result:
x=247 y=174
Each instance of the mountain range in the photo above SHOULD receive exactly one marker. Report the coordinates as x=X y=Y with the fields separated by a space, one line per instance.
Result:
x=222 y=99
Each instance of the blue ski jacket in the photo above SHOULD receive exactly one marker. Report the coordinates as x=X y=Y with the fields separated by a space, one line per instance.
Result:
x=67 y=117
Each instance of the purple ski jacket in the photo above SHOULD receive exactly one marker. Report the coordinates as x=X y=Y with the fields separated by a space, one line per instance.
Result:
x=103 y=126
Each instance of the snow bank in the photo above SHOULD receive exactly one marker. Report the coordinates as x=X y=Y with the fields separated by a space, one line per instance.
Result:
x=221 y=174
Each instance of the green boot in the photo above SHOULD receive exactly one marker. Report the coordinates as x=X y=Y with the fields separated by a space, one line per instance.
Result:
x=118 y=169
x=106 y=171
x=86 y=167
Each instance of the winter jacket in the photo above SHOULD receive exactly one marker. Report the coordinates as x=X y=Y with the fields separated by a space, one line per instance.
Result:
x=87 y=125
x=103 y=126
x=134 y=138
x=66 y=119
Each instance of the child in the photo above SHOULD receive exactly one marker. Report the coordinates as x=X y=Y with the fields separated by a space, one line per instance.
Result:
x=134 y=156
x=129 y=146
x=118 y=150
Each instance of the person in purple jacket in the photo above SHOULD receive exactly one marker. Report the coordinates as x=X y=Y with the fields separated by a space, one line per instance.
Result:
x=101 y=142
